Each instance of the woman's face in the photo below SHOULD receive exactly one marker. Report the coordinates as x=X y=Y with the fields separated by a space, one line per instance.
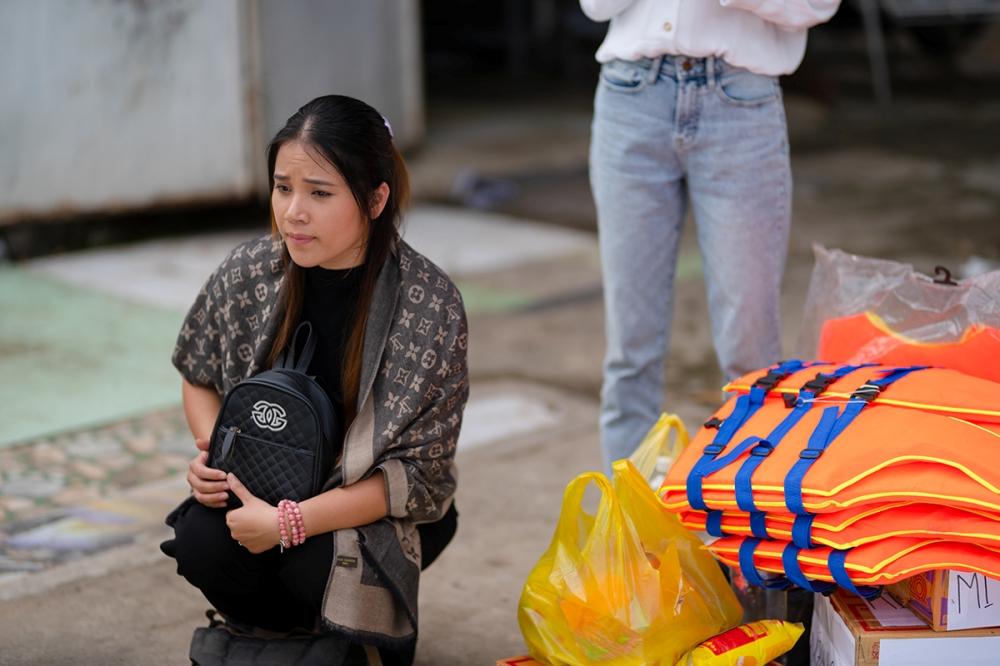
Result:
x=315 y=210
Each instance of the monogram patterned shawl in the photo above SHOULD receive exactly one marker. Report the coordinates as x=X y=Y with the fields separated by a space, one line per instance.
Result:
x=414 y=385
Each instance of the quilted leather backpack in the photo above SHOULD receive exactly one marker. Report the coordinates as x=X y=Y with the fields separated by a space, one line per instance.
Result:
x=277 y=431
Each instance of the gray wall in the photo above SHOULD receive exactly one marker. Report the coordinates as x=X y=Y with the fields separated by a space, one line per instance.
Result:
x=369 y=49
x=111 y=105
x=117 y=105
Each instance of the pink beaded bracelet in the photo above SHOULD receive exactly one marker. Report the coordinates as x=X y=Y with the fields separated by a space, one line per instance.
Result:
x=282 y=529
x=290 y=521
x=299 y=524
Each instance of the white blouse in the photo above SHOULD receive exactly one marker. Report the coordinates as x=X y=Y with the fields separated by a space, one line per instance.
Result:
x=764 y=36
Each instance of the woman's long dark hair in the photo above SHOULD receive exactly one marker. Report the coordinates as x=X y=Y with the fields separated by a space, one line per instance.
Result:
x=356 y=140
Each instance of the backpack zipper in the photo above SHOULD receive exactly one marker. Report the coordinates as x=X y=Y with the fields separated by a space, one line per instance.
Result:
x=227 y=442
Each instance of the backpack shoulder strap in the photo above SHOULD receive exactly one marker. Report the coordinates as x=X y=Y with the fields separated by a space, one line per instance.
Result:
x=290 y=358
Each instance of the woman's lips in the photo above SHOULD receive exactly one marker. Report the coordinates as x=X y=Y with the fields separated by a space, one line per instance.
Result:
x=298 y=239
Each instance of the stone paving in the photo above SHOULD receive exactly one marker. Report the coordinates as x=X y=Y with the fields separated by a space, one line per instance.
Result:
x=70 y=495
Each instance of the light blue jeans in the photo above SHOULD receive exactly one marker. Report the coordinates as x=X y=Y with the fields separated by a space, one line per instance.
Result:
x=666 y=132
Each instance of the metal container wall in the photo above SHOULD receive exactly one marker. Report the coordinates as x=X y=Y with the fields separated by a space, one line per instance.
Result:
x=118 y=105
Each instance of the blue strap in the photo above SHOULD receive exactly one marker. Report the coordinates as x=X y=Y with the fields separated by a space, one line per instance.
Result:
x=830 y=426
x=818 y=442
x=802 y=531
x=790 y=562
x=758 y=526
x=868 y=392
x=713 y=523
x=744 y=476
x=836 y=563
x=749 y=569
x=803 y=402
x=709 y=464
x=694 y=480
x=745 y=407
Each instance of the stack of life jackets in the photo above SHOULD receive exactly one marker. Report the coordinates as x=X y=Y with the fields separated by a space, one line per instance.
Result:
x=846 y=475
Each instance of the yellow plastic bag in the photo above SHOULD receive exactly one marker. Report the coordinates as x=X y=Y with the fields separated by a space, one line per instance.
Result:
x=627 y=586
x=753 y=644
x=657 y=451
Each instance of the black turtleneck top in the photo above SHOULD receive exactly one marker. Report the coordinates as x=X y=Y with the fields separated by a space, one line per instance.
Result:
x=330 y=297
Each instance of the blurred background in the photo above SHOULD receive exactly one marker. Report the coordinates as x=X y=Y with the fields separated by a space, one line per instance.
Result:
x=132 y=147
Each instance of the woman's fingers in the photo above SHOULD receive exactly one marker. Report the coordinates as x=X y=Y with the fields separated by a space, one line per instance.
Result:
x=209 y=485
x=200 y=467
x=213 y=501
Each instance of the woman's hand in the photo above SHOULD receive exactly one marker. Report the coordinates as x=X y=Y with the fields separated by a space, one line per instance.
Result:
x=255 y=524
x=209 y=485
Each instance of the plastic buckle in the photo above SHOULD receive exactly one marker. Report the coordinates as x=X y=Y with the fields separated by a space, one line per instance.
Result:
x=714 y=422
x=769 y=381
x=713 y=449
x=867 y=392
x=819 y=383
x=790 y=399
x=810 y=454
x=762 y=449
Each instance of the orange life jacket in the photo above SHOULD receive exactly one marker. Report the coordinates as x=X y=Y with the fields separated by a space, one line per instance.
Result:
x=854 y=527
x=865 y=337
x=896 y=436
x=878 y=563
x=938 y=390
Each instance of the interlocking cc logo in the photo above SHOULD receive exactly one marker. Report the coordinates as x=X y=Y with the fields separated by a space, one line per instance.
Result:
x=269 y=415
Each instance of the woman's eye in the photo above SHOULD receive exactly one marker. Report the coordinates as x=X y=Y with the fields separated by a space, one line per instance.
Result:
x=282 y=188
x=321 y=194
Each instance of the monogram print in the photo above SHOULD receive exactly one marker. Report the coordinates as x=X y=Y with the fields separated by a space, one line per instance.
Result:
x=416 y=294
x=245 y=352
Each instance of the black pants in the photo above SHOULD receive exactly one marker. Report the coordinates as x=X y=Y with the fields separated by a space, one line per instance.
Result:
x=272 y=590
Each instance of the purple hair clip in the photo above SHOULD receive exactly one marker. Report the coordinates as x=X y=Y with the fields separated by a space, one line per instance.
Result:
x=388 y=127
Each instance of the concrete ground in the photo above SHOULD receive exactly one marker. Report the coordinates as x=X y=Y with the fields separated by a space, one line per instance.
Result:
x=82 y=493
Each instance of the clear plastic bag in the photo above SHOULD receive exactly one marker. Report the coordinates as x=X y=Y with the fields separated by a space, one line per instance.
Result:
x=625 y=586
x=864 y=310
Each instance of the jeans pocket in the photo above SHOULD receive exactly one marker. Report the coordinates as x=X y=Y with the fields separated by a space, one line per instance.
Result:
x=744 y=88
x=623 y=76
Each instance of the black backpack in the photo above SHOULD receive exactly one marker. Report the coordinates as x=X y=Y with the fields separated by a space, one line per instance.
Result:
x=277 y=431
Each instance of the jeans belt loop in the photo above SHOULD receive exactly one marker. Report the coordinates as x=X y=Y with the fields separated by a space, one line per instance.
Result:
x=710 y=73
x=654 y=69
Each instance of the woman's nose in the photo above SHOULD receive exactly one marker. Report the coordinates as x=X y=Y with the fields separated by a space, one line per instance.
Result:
x=295 y=212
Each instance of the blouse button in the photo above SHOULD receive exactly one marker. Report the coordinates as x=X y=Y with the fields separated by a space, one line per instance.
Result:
x=668 y=26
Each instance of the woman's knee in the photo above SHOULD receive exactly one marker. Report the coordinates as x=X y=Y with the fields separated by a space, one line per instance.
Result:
x=202 y=543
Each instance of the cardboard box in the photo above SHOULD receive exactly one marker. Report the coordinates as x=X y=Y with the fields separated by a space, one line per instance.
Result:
x=950 y=600
x=848 y=631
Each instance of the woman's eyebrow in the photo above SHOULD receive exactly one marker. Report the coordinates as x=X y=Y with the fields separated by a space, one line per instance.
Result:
x=311 y=181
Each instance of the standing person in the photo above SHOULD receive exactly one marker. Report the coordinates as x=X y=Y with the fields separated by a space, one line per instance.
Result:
x=392 y=358
x=688 y=110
